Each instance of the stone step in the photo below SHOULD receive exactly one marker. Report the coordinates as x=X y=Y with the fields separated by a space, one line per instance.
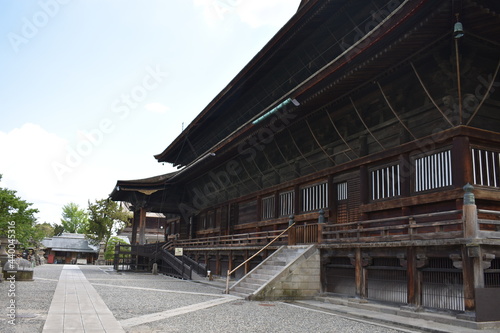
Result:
x=249 y=285
x=270 y=269
x=235 y=293
x=253 y=280
x=242 y=290
x=260 y=276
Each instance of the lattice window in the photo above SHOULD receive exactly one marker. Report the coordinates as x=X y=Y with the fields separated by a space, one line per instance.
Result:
x=486 y=167
x=314 y=197
x=268 y=207
x=385 y=182
x=433 y=171
x=342 y=191
x=287 y=202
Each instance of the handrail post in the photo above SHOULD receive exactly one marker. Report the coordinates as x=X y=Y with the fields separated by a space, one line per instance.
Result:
x=321 y=216
x=292 y=236
x=321 y=222
x=227 y=281
x=471 y=227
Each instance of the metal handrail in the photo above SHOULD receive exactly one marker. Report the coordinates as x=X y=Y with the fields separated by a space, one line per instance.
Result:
x=258 y=252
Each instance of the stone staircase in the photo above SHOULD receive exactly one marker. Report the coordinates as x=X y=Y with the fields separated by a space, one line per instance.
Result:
x=279 y=276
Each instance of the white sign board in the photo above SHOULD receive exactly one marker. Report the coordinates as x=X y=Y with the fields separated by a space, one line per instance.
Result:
x=179 y=252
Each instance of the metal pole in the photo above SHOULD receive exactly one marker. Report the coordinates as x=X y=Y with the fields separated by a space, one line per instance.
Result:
x=459 y=83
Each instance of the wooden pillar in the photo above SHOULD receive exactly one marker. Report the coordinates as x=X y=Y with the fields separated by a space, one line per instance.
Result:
x=247 y=264
x=230 y=261
x=364 y=184
x=332 y=200
x=360 y=275
x=405 y=174
x=414 y=278
x=297 y=200
x=135 y=224
x=472 y=256
x=405 y=178
x=461 y=161
x=276 y=204
x=142 y=226
x=469 y=283
x=259 y=208
x=217 y=263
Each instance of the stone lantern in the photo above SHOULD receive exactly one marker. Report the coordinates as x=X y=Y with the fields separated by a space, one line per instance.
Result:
x=20 y=268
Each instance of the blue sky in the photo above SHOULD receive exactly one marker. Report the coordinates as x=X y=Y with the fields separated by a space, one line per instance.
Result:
x=90 y=90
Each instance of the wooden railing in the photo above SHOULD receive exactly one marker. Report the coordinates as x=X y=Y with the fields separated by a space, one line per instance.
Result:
x=229 y=272
x=246 y=239
x=489 y=223
x=304 y=234
x=175 y=267
x=127 y=257
x=422 y=226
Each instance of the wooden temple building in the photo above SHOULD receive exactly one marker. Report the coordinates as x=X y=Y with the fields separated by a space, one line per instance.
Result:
x=372 y=129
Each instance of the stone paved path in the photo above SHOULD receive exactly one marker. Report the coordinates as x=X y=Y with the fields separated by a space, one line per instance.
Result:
x=77 y=307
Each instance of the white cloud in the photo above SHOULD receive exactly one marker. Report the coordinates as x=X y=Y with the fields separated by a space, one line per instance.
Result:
x=28 y=154
x=157 y=107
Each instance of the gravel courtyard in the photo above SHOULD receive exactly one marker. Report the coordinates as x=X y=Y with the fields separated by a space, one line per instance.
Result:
x=148 y=303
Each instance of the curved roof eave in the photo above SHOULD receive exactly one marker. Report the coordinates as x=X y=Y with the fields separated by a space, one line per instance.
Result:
x=239 y=79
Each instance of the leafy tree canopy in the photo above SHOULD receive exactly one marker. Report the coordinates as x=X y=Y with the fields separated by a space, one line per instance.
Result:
x=44 y=230
x=58 y=229
x=17 y=213
x=110 y=247
x=74 y=219
x=105 y=218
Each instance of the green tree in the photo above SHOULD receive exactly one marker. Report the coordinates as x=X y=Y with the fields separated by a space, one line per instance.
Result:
x=110 y=247
x=44 y=230
x=105 y=218
x=74 y=219
x=58 y=229
x=19 y=216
